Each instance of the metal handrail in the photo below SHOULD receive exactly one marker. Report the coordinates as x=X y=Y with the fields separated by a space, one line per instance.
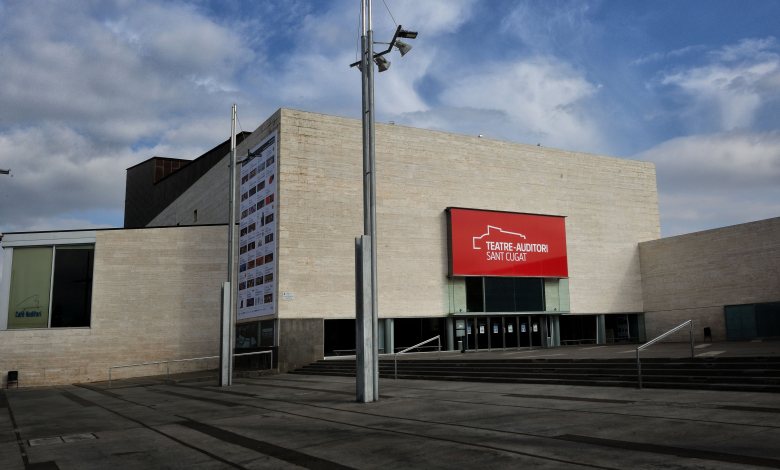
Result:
x=677 y=328
x=395 y=355
x=168 y=363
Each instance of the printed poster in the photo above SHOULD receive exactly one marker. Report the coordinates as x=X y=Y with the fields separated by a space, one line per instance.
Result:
x=258 y=219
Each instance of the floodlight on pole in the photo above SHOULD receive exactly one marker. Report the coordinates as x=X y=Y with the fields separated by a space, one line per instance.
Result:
x=403 y=47
x=402 y=33
x=382 y=64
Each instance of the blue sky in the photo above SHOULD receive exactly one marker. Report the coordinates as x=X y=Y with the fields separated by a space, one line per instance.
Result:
x=90 y=88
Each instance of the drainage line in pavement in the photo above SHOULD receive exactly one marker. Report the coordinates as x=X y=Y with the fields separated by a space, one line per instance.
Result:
x=676 y=451
x=49 y=465
x=278 y=452
x=417 y=435
x=141 y=423
x=684 y=452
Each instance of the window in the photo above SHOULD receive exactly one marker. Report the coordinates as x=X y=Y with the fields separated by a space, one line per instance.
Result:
x=72 y=289
x=51 y=287
x=505 y=294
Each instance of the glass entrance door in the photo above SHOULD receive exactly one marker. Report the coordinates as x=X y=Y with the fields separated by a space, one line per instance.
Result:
x=511 y=332
x=525 y=331
x=482 y=333
x=496 y=333
x=536 y=330
x=471 y=333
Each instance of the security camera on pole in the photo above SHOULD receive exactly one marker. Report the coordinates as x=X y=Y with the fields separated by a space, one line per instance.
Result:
x=367 y=311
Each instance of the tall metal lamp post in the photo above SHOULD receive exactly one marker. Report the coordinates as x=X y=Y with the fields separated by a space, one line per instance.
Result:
x=228 y=288
x=367 y=315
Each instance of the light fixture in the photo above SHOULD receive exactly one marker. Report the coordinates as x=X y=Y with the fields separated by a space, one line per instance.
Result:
x=382 y=63
x=403 y=47
x=402 y=33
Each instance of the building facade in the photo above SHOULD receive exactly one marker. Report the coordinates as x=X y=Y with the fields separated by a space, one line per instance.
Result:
x=126 y=297
x=509 y=245
x=608 y=205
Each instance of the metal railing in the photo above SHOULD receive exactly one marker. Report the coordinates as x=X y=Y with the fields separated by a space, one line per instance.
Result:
x=395 y=355
x=189 y=359
x=677 y=328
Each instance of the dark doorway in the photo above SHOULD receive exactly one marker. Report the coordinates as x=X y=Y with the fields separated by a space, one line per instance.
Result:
x=410 y=331
x=496 y=333
x=621 y=328
x=751 y=321
x=525 y=331
x=482 y=333
x=339 y=337
x=577 y=329
x=510 y=332
x=471 y=333
x=536 y=330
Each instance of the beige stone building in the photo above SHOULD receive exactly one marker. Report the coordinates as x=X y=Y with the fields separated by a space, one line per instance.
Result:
x=564 y=249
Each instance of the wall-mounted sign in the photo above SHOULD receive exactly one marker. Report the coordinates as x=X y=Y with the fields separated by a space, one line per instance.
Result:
x=460 y=328
x=257 y=255
x=490 y=243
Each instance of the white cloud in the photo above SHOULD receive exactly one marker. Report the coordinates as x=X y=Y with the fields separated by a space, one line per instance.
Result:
x=546 y=26
x=673 y=54
x=732 y=87
x=89 y=89
x=539 y=100
x=707 y=181
x=56 y=170
x=710 y=161
x=430 y=17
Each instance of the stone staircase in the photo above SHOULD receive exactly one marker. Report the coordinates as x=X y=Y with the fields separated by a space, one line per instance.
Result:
x=754 y=374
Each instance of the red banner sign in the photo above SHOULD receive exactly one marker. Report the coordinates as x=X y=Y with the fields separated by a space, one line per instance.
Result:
x=488 y=243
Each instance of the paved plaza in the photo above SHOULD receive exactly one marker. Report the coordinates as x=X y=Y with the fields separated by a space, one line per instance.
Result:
x=299 y=421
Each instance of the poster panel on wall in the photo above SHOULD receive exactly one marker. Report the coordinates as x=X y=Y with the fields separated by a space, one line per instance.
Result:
x=257 y=254
x=494 y=243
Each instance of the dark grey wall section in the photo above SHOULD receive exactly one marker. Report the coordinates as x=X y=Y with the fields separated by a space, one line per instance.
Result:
x=695 y=276
x=145 y=197
x=301 y=342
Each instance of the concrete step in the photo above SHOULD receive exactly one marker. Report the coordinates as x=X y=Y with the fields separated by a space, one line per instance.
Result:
x=746 y=374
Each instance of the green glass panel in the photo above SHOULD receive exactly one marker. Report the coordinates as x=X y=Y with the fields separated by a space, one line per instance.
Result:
x=563 y=292
x=28 y=303
x=552 y=297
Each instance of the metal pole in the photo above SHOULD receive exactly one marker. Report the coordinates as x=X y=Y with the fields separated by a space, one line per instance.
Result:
x=228 y=314
x=638 y=370
x=369 y=192
x=691 y=337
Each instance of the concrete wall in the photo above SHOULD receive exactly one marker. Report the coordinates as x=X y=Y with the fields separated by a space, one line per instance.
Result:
x=156 y=295
x=696 y=275
x=301 y=342
x=610 y=205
